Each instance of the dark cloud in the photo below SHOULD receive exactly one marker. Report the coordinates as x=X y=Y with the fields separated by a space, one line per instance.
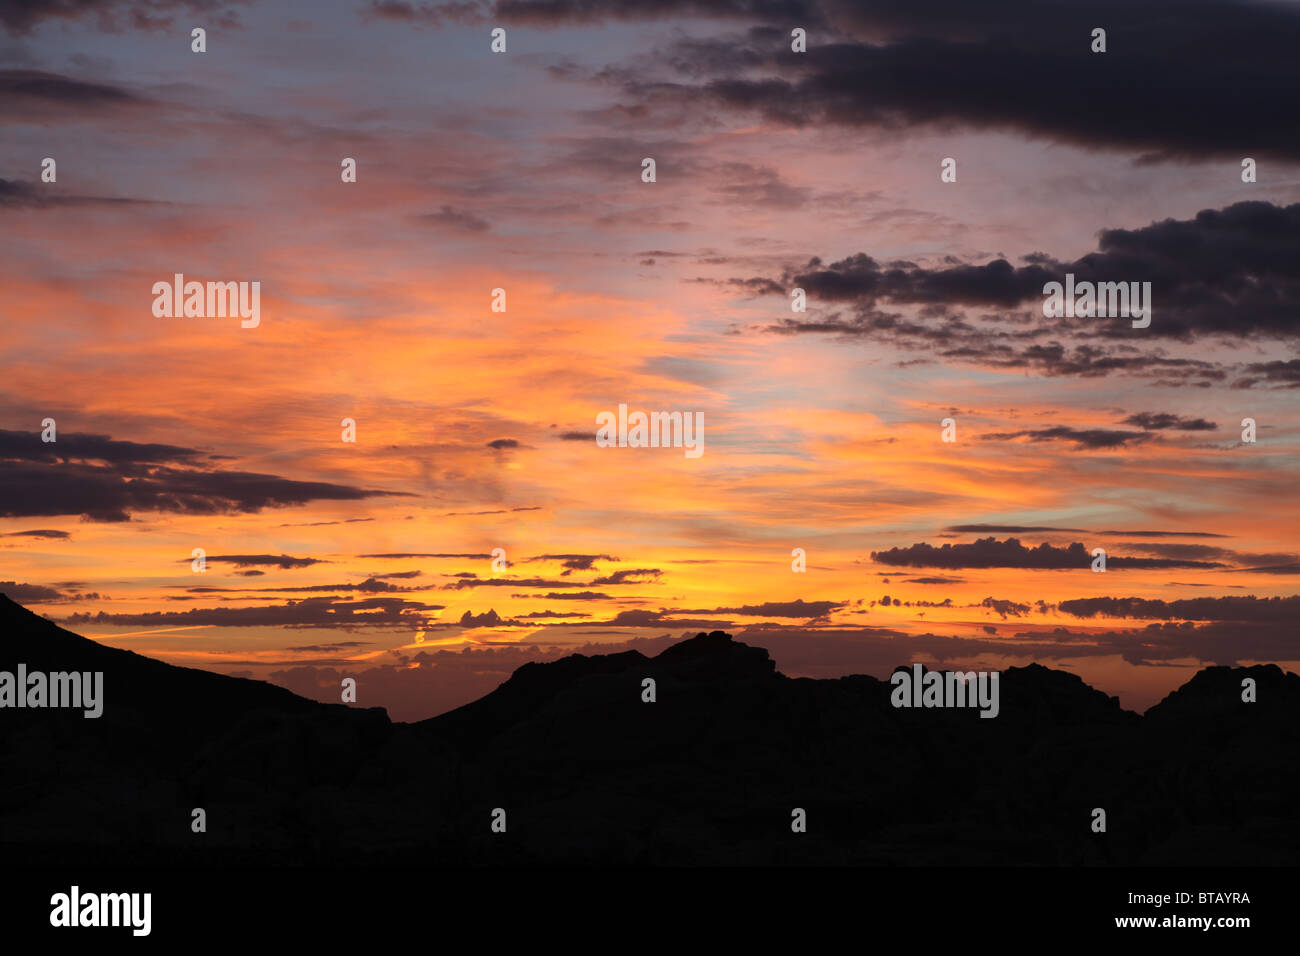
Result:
x=1159 y=421
x=106 y=480
x=755 y=186
x=455 y=220
x=412 y=554
x=1004 y=608
x=38 y=593
x=1081 y=437
x=860 y=278
x=575 y=596
x=368 y=586
x=36 y=533
x=573 y=562
x=953 y=338
x=74 y=446
x=33 y=94
x=1234 y=608
x=1027 y=529
x=887 y=601
x=1163 y=534
x=639 y=618
x=992 y=553
x=629 y=576
x=1010 y=529
x=260 y=560
x=1233 y=273
x=798 y=609
x=1290 y=568
x=16 y=194
x=499 y=443
x=476 y=582
x=489 y=618
x=309 y=612
x=328 y=648
x=664 y=617
x=1209 y=552
x=941 y=65
x=1284 y=373
x=112 y=16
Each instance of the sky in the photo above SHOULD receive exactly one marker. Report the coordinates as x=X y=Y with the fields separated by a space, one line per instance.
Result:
x=823 y=429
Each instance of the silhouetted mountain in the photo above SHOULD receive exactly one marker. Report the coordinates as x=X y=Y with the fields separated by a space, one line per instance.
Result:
x=589 y=773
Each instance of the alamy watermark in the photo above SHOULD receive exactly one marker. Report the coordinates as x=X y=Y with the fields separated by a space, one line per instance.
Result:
x=77 y=690
x=1101 y=299
x=214 y=300
x=75 y=908
x=951 y=689
x=655 y=430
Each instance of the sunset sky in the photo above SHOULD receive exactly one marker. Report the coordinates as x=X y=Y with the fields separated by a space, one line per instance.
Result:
x=475 y=429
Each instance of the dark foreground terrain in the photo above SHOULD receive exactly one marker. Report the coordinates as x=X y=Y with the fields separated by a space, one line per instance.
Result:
x=588 y=773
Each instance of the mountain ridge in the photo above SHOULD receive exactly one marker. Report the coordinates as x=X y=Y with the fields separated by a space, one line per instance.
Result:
x=589 y=773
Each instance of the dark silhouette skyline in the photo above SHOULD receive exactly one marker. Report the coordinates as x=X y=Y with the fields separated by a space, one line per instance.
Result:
x=588 y=773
